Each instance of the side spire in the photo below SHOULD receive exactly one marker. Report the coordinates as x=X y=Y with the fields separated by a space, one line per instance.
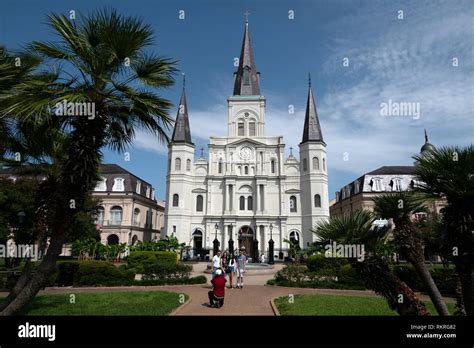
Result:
x=312 y=129
x=247 y=79
x=182 y=131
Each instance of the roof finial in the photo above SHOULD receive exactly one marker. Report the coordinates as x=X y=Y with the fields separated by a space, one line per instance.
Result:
x=309 y=80
x=202 y=152
x=184 y=81
x=247 y=13
x=426 y=136
x=291 y=150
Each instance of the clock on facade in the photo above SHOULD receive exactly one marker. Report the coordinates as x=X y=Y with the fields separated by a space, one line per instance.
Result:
x=245 y=153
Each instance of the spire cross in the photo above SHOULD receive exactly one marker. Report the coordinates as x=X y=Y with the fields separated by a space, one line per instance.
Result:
x=247 y=13
x=184 y=80
x=309 y=79
x=291 y=150
x=426 y=137
x=202 y=151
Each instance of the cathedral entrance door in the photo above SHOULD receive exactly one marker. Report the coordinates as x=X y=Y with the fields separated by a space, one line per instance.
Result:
x=246 y=237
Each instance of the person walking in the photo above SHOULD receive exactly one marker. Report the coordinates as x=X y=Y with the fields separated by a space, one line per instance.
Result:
x=216 y=263
x=241 y=262
x=230 y=269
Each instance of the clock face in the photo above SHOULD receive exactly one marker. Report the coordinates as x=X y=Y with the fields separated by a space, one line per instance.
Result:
x=245 y=153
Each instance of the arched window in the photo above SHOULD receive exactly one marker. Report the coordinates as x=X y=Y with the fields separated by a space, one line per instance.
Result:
x=295 y=238
x=240 y=129
x=315 y=163
x=250 y=203
x=175 y=200
x=118 y=185
x=317 y=201
x=116 y=215
x=251 y=129
x=188 y=164
x=220 y=167
x=99 y=217
x=199 y=203
x=324 y=164
x=305 y=164
x=136 y=217
x=272 y=164
x=177 y=164
x=293 y=204
x=113 y=239
x=246 y=170
x=242 y=203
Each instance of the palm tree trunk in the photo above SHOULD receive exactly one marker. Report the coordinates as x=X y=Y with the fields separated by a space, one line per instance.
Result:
x=466 y=275
x=435 y=295
x=37 y=281
x=377 y=275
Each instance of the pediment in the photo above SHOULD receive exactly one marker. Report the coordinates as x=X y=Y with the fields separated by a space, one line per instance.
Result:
x=199 y=190
x=246 y=141
x=293 y=191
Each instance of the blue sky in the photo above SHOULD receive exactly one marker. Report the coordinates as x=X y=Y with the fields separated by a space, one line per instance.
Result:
x=406 y=60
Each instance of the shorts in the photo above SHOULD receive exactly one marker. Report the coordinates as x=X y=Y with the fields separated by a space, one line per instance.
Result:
x=240 y=272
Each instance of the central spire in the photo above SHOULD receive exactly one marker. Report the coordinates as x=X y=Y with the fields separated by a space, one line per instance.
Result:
x=312 y=129
x=182 y=131
x=247 y=79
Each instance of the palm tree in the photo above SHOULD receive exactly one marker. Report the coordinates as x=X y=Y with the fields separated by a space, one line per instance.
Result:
x=359 y=228
x=400 y=207
x=108 y=66
x=448 y=173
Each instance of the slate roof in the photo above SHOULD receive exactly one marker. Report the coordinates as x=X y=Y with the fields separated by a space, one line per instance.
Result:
x=312 y=128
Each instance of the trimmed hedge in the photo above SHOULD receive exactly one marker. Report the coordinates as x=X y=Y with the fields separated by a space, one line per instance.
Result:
x=325 y=265
x=444 y=278
x=166 y=271
x=168 y=281
x=99 y=272
x=139 y=259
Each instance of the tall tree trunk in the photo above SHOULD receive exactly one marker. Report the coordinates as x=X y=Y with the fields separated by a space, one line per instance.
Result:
x=411 y=244
x=435 y=295
x=37 y=281
x=467 y=286
x=375 y=272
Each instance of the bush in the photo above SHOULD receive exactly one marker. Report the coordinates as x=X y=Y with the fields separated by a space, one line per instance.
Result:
x=326 y=266
x=138 y=259
x=168 y=281
x=444 y=278
x=99 y=273
x=166 y=271
x=292 y=274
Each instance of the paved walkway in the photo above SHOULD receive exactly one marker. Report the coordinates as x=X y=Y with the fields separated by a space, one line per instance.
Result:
x=253 y=299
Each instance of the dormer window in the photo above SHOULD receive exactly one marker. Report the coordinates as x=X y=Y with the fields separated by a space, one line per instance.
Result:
x=396 y=185
x=147 y=192
x=118 y=185
x=139 y=187
x=356 y=187
x=376 y=184
x=101 y=185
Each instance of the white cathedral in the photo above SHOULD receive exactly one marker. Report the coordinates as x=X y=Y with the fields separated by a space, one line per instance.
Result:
x=246 y=194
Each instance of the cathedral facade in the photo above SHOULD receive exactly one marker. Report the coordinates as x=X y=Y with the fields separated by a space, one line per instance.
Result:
x=246 y=194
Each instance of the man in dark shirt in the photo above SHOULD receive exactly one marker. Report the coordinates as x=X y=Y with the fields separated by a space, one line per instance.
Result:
x=218 y=292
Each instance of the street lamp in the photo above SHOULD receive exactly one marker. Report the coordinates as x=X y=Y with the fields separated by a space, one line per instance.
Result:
x=270 y=246
x=216 y=242
x=231 y=242
x=255 y=245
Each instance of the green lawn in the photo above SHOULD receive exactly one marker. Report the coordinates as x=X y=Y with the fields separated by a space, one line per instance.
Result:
x=112 y=303
x=339 y=305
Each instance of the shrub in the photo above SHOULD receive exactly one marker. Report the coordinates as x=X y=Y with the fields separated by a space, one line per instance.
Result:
x=166 y=271
x=327 y=266
x=138 y=259
x=100 y=272
x=444 y=278
x=291 y=274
